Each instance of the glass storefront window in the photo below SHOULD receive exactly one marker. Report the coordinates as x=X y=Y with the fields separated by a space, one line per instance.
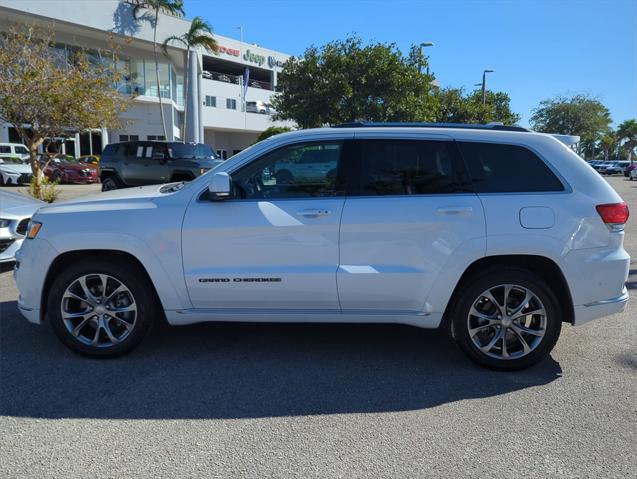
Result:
x=151 y=79
x=179 y=90
x=124 y=85
x=137 y=80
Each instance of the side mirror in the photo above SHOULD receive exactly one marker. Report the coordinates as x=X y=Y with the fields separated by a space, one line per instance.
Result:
x=219 y=185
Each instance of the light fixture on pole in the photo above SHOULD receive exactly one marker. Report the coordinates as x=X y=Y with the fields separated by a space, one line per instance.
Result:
x=484 y=85
x=420 y=57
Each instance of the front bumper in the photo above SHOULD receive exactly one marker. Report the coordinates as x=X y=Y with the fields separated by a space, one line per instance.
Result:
x=17 y=178
x=32 y=265
x=83 y=180
x=12 y=247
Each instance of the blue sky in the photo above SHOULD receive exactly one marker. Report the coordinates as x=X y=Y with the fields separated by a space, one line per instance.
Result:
x=538 y=48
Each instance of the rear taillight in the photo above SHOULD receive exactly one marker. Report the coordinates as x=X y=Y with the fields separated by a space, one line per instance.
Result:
x=613 y=213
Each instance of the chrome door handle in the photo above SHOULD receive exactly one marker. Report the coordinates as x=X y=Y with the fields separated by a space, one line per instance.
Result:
x=313 y=212
x=454 y=210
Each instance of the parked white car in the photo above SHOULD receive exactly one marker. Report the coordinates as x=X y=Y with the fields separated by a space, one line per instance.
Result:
x=14 y=171
x=15 y=213
x=14 y=150
x=257 y=107
x=495 y=233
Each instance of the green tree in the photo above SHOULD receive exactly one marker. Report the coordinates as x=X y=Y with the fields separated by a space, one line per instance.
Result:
x=155 y=7
x=198 y=35
x=454 y=106
x=271 y=131
x=47 y=93
x=346 y=80
x=579 y=115
x=608 y=144
x=627 y=132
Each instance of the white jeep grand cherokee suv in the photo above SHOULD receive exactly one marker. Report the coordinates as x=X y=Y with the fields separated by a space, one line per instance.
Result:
x=497 y=233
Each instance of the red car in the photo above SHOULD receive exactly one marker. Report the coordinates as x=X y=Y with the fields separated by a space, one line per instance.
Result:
x=67 y=170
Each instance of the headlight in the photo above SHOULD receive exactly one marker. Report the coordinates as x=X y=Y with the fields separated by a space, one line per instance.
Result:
x=4 y=223
x=34 y=229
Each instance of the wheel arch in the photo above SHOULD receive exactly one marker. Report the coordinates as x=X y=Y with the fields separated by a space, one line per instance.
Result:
x=544 y=267
x=110 y=173
x=62 y=260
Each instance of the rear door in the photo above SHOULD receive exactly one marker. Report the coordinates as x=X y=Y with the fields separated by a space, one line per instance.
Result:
x=409 y=210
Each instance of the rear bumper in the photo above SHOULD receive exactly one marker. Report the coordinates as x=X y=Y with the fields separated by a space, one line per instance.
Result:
x=599 y=309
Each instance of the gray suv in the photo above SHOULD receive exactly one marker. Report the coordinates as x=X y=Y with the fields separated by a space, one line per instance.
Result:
x=135 y=163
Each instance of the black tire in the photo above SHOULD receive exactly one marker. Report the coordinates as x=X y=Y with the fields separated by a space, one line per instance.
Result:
x=111 y=183
x=1 y=180
x=133 y=278
x=57 y=176
x=471 y=292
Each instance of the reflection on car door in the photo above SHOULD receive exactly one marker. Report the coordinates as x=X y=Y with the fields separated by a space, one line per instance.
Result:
x=272 y=245
x=408 y=211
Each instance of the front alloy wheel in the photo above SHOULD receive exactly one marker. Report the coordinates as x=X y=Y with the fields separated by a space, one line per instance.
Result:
x=102 y=307
x=99 y=310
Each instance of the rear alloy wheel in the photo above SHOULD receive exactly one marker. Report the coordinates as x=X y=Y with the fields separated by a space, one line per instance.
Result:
x=507 y=320
x=101 y=309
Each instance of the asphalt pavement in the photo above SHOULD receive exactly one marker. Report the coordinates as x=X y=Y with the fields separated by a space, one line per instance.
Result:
x=241 y=400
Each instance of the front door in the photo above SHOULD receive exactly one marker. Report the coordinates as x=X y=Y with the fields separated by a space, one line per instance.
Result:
x=274 y=244
x=408 y=213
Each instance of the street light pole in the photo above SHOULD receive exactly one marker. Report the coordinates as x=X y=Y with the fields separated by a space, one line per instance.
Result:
x=420 y=57
x=484 y=85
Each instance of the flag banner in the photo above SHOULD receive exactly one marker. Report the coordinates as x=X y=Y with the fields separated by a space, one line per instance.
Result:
x=246 y=80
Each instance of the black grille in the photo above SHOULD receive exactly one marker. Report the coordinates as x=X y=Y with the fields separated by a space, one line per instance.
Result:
x=25 y=178
x=4 y=244
x=22 y=226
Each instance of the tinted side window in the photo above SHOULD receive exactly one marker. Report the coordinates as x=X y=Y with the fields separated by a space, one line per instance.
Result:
x=288 y=173
x=407 y=167
x=507 y=168
x=5 y=149
x=110 y=151
x=128 y=150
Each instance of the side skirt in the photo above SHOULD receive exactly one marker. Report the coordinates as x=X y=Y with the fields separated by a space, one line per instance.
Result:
x=410 y=318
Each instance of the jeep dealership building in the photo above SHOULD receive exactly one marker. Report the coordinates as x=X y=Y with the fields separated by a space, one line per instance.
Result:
x=216 y=102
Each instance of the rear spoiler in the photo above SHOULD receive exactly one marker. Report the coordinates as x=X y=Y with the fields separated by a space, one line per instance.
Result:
x=568 y=140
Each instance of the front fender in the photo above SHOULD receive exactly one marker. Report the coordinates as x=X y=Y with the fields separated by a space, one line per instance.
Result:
x=169 y=285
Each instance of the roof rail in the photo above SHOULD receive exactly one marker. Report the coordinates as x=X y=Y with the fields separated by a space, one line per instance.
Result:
x=415 y=124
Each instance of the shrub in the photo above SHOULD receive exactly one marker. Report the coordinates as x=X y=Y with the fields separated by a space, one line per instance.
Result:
x=48 y=190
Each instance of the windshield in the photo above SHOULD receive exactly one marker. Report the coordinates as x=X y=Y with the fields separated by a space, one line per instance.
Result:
x=21 y=149
x=185 y=150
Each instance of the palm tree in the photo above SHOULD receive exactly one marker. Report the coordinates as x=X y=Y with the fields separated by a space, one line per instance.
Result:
x=171 y=7
x=198 y=35
x=628 y=131
x=607 y=143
